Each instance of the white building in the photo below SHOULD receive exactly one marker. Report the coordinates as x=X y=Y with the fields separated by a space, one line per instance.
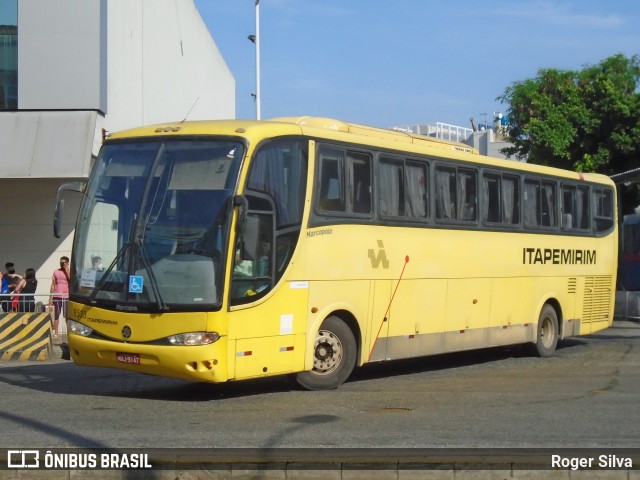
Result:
x=489 y=143
x=72 y=70
x=489 y=140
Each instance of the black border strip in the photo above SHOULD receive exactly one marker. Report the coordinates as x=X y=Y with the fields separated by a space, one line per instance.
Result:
x=347 y=458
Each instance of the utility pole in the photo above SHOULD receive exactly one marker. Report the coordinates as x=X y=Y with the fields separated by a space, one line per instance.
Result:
x=255 y=39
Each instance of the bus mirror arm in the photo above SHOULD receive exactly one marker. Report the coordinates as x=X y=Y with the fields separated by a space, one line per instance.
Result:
x=241 y=201
x=57 y=216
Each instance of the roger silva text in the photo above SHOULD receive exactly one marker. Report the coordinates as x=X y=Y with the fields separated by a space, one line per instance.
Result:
x=601 y=461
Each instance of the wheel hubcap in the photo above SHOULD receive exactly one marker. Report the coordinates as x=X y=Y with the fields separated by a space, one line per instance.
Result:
x=327 y=352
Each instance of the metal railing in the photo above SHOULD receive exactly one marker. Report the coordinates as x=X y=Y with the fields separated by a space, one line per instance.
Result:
x=24 y=302
x=443 y=131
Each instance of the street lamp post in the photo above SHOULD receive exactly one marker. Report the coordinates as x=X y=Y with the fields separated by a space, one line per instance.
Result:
x=255 y=39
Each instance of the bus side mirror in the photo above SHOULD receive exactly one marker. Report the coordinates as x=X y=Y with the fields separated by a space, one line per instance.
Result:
x=248 y=229
x=249 y=238
x=57 y=216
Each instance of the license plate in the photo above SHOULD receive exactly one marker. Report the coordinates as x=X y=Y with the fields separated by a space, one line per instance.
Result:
x=131 y=358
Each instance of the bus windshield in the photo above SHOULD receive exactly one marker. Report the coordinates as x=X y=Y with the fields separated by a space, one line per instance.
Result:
x=154 y=225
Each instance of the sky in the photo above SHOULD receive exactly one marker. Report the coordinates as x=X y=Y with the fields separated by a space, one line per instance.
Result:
x=404 y=62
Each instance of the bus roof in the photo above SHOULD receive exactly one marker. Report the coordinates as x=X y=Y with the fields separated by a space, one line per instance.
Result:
x=306 y=124
x=331 y=128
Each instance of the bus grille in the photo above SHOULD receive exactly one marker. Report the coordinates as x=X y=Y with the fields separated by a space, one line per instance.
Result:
x=597 y=298
x=572 y=287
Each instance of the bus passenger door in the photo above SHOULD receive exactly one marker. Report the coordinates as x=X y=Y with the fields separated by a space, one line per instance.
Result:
x=268 y=314
x=269 y=340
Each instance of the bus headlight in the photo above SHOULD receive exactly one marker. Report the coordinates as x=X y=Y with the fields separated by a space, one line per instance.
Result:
x=194 y=338
x=79 y=328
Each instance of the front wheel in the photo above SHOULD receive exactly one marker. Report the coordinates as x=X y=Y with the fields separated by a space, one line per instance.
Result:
x=547 y=338
x=334 y=356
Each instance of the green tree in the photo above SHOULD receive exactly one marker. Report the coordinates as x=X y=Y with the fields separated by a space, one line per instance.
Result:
x=586 y=120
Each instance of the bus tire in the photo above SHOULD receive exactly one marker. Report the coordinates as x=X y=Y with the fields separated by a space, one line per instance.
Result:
x=334 y=356
x=547 y=336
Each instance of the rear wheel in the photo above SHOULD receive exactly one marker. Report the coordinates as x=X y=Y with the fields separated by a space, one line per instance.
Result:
x=334 y=356
x=547 y=338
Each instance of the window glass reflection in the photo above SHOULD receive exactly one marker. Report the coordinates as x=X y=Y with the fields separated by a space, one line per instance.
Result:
x=8 y=54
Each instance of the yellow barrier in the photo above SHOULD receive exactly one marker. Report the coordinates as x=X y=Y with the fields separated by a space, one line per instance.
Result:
x=25 y=336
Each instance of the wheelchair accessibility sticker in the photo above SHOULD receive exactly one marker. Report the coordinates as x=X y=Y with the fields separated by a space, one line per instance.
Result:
x=135 y=284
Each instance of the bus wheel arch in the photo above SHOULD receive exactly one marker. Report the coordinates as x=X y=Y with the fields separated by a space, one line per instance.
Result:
x=335 y=353
x=351 y=322
x=556 y=306
x=547 y=329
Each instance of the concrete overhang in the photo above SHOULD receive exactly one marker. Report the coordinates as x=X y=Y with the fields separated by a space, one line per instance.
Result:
x=48 y=144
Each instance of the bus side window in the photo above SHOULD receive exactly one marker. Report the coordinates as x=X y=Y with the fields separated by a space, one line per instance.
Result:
x=331 y=198
x=531 y=203
x=416 y=195
x=540 y=205
x=402 y=187
x=390 y=187
x=502 y=199
x=446 y=206
x=280 y=171
x=510 y=192
x=575 y=207
x=468 y=195
x=492 y=213
x=548 y=218
x=456 y=194
x=360 y=182
x=603 y=217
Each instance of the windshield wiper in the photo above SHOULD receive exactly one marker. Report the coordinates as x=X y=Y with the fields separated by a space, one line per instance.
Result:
x=107 y=272
x=152 y=278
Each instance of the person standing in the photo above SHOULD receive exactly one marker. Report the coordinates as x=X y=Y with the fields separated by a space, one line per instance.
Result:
x=13 y=280
x=4 y=294
x=59 y=292
x=27 y=288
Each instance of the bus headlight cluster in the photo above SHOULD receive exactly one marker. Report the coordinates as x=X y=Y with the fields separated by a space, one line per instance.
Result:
x=79 y=328
x=194 y=338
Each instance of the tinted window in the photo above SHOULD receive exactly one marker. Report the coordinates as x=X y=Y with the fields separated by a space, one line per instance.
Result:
x=539 y=203
x=280 y=171
x=603 y=210
x=502 y=199
x=331 y=195
x=575 y=207
x=345 y=183
x=360 y=182
x=456 y=194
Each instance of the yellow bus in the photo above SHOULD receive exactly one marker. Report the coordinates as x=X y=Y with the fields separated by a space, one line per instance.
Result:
x=229 y=250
